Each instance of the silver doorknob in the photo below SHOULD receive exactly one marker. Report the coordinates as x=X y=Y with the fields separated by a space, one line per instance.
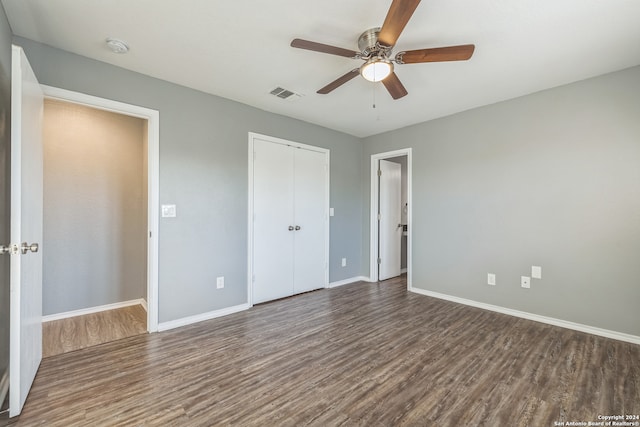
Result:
x=29 y=247
x=291 y=228
x=297 y=227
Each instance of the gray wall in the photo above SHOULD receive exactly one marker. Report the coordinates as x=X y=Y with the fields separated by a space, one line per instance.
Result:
x=95 y=210
x=549 y=179
x=203 y=170
x=5 y=139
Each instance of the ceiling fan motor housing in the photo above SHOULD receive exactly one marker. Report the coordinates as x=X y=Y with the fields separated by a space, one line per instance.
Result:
x=368 y=42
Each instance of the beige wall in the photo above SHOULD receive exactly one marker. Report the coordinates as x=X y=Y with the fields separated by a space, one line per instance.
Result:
x=94 y=207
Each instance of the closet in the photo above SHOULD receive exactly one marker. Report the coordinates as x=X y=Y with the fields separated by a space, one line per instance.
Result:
x=289 y=227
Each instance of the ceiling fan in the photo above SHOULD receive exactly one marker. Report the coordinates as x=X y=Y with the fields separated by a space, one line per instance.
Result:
x=375 y=46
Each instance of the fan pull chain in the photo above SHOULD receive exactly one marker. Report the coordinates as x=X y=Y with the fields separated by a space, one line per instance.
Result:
x=377 y=111
x=373 y=86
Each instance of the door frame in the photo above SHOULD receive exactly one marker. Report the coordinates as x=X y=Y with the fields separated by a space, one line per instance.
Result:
x=153 y=178
x=373 y=210
x=250 y=212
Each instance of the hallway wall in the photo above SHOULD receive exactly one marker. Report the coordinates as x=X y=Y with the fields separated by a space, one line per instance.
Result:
x=95 y=209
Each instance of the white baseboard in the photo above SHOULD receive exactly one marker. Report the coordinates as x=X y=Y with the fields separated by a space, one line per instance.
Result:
x=348 y=281
x=535 y=317
x=164 y=326
x=4 y=385
x=97 y=309
x=402 y=271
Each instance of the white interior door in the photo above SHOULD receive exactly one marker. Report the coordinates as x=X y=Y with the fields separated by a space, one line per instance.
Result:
x=26 y=229
x=390 y=228
x=310 y=220
x=273 y=221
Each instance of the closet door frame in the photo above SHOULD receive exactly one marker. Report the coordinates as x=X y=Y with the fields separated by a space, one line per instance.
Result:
x=250 y=223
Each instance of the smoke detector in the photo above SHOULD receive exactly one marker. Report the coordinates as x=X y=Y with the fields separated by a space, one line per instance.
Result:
x=117 y=46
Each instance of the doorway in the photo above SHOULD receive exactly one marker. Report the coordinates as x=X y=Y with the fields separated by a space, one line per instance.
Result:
x=148 y=244
x=403 y=227
x=94 y=192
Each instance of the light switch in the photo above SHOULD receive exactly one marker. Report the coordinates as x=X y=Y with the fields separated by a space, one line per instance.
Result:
x=168 y=211
x=536 y=272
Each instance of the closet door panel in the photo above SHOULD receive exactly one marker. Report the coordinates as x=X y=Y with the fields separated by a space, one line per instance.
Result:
x=273 y=215
x=310 y=215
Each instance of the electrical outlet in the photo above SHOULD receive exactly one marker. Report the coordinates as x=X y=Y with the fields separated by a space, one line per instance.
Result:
x=536 y=272
x=491 y=279
x=344 y=262
x=220 y=282
x=525 y=282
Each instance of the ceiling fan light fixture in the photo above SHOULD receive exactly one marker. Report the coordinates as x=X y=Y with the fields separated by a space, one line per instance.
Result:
x=376 y=69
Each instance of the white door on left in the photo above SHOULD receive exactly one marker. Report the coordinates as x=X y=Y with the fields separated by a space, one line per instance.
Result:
x=25 y=352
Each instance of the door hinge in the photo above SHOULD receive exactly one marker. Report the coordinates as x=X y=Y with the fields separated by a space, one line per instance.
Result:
x=379 y=260
x=379 y=172
x=379 y=217
x=11 y=249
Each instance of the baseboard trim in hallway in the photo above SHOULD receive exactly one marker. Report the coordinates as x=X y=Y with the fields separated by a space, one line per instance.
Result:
x=96 y=309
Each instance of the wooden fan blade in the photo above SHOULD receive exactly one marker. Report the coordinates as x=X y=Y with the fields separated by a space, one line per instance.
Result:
x=323 y=48
x=339 y=81
x=399 y=14
x=437 y=54
x=394 y=86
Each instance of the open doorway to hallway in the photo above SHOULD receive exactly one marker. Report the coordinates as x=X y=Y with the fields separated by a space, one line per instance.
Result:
x=390 y=223
x=152 y=159
x=95 y=226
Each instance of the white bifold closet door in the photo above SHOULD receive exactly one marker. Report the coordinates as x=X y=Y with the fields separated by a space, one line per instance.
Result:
x=289 y=221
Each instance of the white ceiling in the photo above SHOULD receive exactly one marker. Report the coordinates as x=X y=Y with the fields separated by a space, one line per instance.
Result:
x=240 y=49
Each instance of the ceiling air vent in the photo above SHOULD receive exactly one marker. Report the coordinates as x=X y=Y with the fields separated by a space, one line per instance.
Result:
x=285 y=94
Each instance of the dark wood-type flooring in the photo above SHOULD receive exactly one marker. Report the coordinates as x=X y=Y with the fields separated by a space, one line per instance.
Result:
x=74 y=333
x=362 y=354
